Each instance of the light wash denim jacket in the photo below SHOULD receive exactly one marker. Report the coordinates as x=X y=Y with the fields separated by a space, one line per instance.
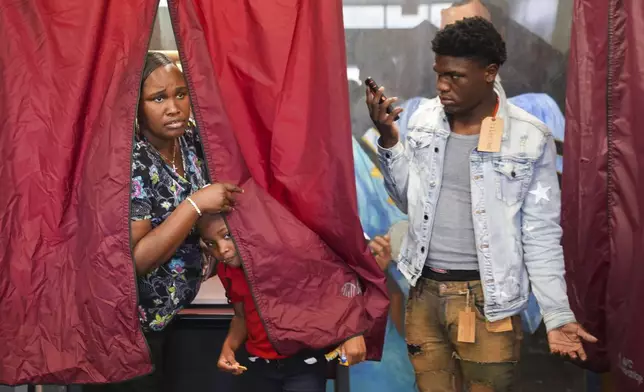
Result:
x=515 y=208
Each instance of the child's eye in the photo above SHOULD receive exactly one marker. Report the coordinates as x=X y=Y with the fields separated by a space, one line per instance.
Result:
x=181 y=95
x=158 y=99
x=227 y=236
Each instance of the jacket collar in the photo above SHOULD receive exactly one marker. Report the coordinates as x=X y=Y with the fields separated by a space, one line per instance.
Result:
x=503 y=107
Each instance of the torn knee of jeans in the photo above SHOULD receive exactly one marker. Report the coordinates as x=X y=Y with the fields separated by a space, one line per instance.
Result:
x=413 y=349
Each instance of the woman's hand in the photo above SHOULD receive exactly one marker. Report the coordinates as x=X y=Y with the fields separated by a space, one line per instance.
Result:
x=219 y=197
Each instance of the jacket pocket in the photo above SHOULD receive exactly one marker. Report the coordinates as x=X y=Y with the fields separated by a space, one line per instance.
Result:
x=512 y=179
x=419 y=144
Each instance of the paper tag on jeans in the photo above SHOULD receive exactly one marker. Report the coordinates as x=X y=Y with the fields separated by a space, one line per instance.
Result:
x=504 y=325
x=467 y=323
x=491 y=133
x=466 y=326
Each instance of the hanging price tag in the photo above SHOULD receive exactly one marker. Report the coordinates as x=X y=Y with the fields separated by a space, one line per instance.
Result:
x=491 y=133
x=504 y=325
x=467 y=323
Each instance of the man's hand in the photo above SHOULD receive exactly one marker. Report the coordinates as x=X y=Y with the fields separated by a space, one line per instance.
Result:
x=566 y=340
x=228 y=363
x=354 y=350
x=381 y=249
x=384 y=122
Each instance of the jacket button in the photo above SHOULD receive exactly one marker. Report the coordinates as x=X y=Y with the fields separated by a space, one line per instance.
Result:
x=425 y=217
x=388 y=155
x=435 y=149
x=432 y=184
x=422 y=249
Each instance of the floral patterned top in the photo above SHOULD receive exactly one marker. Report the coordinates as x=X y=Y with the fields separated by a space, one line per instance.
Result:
x=156 y=191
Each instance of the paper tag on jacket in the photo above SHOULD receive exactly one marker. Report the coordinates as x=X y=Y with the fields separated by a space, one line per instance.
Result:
x=491 y=134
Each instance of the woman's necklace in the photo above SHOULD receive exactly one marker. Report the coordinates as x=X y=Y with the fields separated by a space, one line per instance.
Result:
x=174 y=158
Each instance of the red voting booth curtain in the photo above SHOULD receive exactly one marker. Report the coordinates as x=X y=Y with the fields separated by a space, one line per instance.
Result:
x=272 y=76
x=603 y=183
x=69 y=82
x=268 y=87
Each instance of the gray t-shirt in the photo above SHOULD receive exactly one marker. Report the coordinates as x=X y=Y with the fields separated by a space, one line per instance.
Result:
x=452 y=245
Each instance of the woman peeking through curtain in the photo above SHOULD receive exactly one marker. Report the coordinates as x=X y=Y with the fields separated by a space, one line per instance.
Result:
x=170 y=191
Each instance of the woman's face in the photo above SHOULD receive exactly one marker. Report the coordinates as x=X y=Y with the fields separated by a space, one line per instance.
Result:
x=165 y=104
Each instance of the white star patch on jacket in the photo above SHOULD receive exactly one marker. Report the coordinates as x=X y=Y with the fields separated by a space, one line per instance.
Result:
x=540 y=193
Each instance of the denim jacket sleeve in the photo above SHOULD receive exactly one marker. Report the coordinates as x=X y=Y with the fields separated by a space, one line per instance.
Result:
x=394 y=164
x=541 y=232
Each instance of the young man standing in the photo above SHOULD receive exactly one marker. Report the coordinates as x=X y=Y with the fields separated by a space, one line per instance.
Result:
x=477 y=178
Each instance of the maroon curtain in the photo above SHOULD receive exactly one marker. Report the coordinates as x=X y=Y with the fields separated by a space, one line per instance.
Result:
x=268 y=84
x=69 y=78
x=584 y=193
x=272 y=76
x=604 y=183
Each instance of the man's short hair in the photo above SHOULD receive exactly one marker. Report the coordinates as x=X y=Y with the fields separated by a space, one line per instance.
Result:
x=474 y=38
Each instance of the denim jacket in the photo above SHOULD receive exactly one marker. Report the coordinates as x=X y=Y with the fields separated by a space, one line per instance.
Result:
x=515 y=208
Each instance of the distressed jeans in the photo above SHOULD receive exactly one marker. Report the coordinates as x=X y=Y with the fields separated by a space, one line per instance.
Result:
x=440 y=361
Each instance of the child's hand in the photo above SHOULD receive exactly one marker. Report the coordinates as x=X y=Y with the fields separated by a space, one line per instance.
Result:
x=228 y=363
x=381 y=249
x=354 y=350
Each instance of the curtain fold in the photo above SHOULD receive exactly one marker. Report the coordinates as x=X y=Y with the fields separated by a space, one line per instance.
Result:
x=625 y=288
x=268 y=85
x=584 y=194
x=69 y=78
x=603 y=183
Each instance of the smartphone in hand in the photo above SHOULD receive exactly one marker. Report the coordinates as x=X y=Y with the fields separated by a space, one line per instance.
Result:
x=374 y=89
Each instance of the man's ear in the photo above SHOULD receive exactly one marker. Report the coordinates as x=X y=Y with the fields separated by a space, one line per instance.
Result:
x=490 y=72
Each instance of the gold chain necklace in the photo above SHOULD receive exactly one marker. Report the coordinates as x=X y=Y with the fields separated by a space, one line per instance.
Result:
x=174 y=156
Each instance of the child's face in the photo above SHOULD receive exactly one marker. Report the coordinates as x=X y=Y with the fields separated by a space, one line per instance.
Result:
x=219 y=242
